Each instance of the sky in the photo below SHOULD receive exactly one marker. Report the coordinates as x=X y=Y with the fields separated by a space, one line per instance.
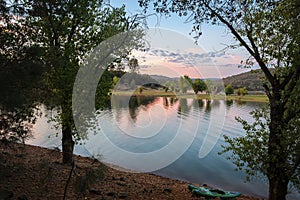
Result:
x=204 y=60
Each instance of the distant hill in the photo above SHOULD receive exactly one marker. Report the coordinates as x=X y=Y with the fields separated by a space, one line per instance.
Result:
x=252 y=80
x=162 y=79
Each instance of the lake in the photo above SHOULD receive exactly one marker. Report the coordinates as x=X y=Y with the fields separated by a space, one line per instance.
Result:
x=174 y=137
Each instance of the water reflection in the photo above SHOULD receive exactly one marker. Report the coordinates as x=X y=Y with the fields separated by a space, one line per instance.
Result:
x=216 y=103
x=145 y=124
x=207 y=106
x=134 y=104
x=137 y=102
x=239 y=102
x=229 y=103
x=166 y=102
x=173 y=100
x=198 y=103
x=183 y=107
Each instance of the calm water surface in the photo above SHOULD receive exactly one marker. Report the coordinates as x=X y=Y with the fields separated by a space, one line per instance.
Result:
x=148 y=124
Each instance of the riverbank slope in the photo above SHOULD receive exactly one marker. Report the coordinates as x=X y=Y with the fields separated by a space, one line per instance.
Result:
x=30 y=172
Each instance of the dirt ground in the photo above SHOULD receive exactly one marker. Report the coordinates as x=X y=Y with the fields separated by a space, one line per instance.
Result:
x=30 y=172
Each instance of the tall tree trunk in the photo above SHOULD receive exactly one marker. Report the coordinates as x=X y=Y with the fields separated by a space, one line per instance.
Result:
x=67 y=144
x=67 y=139
x=277 y=188
x=277 y=174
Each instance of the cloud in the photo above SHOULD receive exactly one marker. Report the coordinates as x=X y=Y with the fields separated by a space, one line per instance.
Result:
x=188 y=58
x=209 y=64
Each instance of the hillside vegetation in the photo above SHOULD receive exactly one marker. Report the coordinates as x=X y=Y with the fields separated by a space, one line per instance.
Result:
x=252 y=80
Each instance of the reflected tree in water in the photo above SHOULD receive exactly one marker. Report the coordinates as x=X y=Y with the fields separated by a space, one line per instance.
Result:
x=228 y=103
x=137 y=102
x=184 y=108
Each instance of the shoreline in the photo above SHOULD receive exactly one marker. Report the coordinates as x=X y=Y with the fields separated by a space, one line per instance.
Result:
x=37 y=173
x=245 y=98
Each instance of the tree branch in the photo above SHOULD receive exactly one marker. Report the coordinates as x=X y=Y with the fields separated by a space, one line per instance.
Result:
x=267 y=90
x=49 y=15
x=258 y=58
x=253 y=52
x=75 y=23
x=291 y=79
x=287 y=79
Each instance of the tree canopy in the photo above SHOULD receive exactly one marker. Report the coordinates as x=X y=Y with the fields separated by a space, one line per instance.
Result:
x=53 y=37
x=21 y=72
x=229 y=89
x=184 y=83
x=198 y=86
x=242 y=91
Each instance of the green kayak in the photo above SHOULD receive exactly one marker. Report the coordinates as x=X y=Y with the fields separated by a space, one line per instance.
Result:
x=212 y=193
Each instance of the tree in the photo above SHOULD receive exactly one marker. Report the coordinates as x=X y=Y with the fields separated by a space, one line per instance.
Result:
x=242 y=91
x=268 y=31
x=67 y=31
x=199 y=86
x=20 y=75
x=214 y=87
x=209 y=86
x=133 y=64
x=140 y=89
x=115 y=80
x=229 y=89
x=169 y=86
x=185 y=83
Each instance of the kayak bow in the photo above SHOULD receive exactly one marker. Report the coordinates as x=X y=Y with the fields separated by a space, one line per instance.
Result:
x=212 y=192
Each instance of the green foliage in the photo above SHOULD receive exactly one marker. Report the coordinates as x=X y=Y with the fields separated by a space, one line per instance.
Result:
x=21 y=72
x=250 y=152
x=229 y=89
x=68 y=31
x=140 y=89
x=170 y=86
x=199 y=86
x=48 y=41
x=242 y=91
x=133 y=64
x=253 y=80
x=209 y=86
x=214 y=86
x=106 y=83
x=115 y=80
x=185 y=83
x=16 y=125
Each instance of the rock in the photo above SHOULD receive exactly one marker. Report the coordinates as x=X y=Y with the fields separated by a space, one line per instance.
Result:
x=123 y=195
x=122 y=179
x=23 y=197
x=97 y=192
x=6 y=194
x=111 y=194
x=19 y=155
x=167 y=190
x=121 y=184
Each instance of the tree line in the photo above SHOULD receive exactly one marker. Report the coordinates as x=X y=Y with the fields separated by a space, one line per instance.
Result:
x=185 y=83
